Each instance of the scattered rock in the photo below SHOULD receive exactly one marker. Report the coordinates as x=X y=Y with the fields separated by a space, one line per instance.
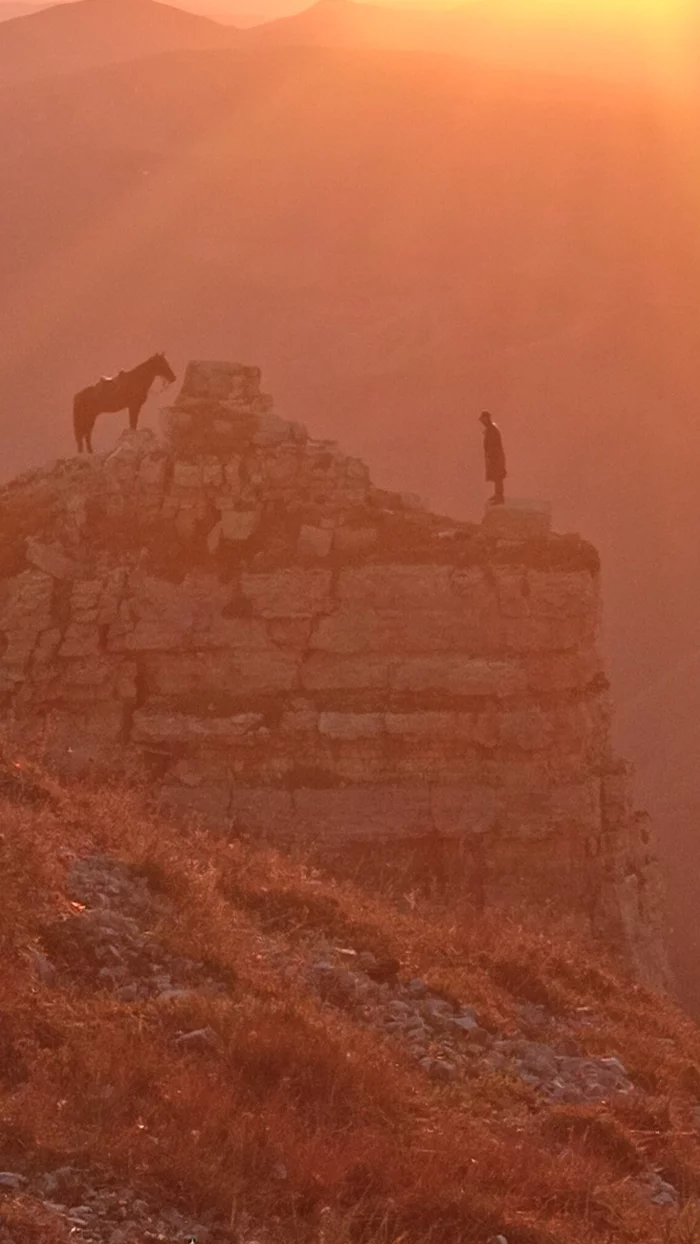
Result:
x=440 y=1069
x=662 y=1193
x=314 y=541
x=107 y=941
x=11 y=1180
x=198 y=1039
x=383 y=970
x=239 y=525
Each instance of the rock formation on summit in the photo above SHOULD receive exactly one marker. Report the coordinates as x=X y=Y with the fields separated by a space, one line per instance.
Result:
x=302 y=655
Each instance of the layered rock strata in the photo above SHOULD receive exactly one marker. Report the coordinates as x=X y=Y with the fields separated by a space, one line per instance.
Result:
x=302 y=655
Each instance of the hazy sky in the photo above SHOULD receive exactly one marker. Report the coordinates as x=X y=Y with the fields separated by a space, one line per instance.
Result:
x=634 y=10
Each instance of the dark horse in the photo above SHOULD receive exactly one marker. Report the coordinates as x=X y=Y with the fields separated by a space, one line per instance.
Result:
x=127 y=391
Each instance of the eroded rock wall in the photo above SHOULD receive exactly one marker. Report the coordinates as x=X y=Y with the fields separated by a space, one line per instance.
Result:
x=303 y=655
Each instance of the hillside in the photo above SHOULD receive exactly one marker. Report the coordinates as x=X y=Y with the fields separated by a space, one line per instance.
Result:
x=17 y=8
x=68 y=37
x=203 y=1040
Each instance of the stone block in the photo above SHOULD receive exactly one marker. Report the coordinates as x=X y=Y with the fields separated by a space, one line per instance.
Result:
x=86 y=677
x=547 y=634
x=616 y=797
x=187 y=474
x=186 y=522
x=403 y=631
x=280 y=470
x=239 y=525
x=52 y=559
x=214 y=538
x=518 y=520
x=151 y=725
x=395 y=587
x=562 y=671
x=271 y=430
x=213 y=674
x=353 y=541
x=212 y=473
x=47 y=645
x=561 y=596
x=288 y=593
x=459 y=676
x=526 y=729
x=19 y=647
x=411 y=501
x=130 y=448
x=172 y=421
x=357 y=470
x=86 y=730
x=80 y=641
x=26 y=601
x=349 y=726
x=210 y=802
x=159 y=614
x=572 y=809
x=262 y=812
x=512 y=591
x=425 y=725
x=290 y=632
x=232 y=473
x=220 y=382
x=148 y=635
x=300 y=720
x=465 y=811
x=152 y=471
x=372 y=812
x=314 y=541
x=325 y=672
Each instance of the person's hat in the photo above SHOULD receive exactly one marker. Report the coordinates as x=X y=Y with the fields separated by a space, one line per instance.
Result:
x=484 y=416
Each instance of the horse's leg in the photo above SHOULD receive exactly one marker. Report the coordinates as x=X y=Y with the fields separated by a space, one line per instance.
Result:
x=88 y=436
x=134 y=412
x=78 y=422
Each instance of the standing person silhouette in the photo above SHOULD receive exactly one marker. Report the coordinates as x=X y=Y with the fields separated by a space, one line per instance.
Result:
x=495 y=457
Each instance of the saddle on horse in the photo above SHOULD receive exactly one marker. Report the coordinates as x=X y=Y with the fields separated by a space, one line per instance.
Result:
x=106 y=384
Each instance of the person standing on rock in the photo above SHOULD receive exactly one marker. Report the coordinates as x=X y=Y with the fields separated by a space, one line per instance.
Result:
x=495 y=457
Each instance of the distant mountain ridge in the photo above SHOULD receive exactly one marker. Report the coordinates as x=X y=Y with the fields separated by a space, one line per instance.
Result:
x=496 y=31
x=71 y=36
x=66 y=38
x=10 y=9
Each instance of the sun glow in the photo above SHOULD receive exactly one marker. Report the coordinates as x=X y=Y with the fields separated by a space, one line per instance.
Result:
x=634 y=12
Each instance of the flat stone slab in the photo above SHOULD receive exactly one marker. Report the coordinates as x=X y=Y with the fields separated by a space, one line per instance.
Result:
x=220 y=381
x=518 y=519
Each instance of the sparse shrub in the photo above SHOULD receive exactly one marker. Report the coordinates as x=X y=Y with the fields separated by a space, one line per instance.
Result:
x=525 y=980
x=370 y=1149
x=598 y=1131
x=686 y=1228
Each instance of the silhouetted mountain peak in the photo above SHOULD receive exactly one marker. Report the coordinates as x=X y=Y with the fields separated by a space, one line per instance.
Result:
x=69 y=37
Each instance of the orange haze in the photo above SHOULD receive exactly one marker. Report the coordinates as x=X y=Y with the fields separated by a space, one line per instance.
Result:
x=399 y=238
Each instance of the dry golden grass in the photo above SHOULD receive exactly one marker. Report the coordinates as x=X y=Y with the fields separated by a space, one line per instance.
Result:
x=374 y=1152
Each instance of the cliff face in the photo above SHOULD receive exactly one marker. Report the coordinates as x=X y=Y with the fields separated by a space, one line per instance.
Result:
x=302 y=655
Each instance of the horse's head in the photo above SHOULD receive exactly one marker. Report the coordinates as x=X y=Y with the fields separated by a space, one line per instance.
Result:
x=162 y=368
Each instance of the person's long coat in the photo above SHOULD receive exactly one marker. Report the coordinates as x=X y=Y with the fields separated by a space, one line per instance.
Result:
x=494 y=454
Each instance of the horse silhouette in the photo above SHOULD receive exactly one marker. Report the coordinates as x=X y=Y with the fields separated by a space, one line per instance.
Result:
x=126 y=391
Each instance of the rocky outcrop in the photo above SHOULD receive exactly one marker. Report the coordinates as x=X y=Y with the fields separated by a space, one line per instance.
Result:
x=300 y=654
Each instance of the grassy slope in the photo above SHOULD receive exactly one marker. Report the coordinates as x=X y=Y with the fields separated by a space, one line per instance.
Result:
x=374 y=1150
